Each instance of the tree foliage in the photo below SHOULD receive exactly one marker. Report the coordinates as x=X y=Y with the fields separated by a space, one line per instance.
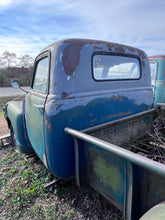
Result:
x=14 y=67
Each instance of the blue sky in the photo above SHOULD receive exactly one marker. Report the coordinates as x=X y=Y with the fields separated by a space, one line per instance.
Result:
x=27 y=26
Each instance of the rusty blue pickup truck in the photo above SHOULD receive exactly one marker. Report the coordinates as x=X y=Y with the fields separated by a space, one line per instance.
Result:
x=89 y=114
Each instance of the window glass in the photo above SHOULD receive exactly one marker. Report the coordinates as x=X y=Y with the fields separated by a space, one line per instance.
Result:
x=110 y=67
x=153 y=68
x=41 y=75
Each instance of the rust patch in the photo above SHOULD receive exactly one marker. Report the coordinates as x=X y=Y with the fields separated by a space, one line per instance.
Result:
x=52 y=107
x=115 y=97
x=49 y=126
x=120 y=114
x=143 y=63
x=64 y=95
x=120 y=99
x=98 y=48
x=71 y=56
x=111 y=116
x=157 y=57
x=94 y=120
x=124 y=113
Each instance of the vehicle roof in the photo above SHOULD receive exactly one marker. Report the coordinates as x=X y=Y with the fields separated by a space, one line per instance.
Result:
x=72 y=60
x=79 y=43
x=157 y=57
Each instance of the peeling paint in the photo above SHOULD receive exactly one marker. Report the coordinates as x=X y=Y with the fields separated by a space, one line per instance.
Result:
x=120 y=99
x=98 y=48
x=115 y=97
x=157 y=57
x=71 y=54
x=119 y=114
x=64 y=95
x=108 y=174
x=49 y=125
x=94 y=120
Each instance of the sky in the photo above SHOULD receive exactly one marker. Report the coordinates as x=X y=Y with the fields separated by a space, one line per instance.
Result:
x=28 y=26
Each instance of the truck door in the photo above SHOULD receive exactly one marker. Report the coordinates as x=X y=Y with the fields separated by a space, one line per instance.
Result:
x=35 y=105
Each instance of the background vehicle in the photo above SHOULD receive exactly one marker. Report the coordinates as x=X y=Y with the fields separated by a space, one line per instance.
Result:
x=157 y=64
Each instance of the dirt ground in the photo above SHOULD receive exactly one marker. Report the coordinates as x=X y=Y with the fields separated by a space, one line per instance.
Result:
x=3 y=126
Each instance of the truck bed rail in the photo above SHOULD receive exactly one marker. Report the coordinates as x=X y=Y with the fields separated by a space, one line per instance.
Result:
x=121 y=152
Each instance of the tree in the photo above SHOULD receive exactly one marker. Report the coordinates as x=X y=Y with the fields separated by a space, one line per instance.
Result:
x=26 y=64
x=13 y=67
x=3 y=80
x=26 y=61
x=9 y=59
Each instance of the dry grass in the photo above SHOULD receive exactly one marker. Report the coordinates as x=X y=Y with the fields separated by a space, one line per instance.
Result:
x=22 y=193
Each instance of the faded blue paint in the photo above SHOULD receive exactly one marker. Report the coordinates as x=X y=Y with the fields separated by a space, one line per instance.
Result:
x=81 y=114
x=34 y=122
x=107 y=174
x=15 y=115
x=76 y=100
x=159 y=87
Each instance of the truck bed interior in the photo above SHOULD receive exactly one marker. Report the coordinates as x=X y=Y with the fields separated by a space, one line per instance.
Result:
x=143 y=133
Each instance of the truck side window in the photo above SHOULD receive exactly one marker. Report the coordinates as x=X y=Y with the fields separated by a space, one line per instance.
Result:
x=115 y=67
x=41 y=75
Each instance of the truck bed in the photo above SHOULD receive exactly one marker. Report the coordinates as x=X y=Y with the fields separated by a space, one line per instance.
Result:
x=115 y=159
x=142 y=134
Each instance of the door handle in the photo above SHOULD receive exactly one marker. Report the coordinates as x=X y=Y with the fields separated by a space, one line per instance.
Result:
x=39 y=106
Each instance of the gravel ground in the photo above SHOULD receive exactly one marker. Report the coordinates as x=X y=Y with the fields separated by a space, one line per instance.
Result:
x=3 y=126
x=9 y=91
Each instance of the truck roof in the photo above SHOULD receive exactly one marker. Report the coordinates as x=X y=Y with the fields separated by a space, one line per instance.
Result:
x=77 y=44
x=71 y=65
x=157 y=57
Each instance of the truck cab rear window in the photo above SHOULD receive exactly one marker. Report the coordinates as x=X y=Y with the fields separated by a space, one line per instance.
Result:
x=112 y=67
